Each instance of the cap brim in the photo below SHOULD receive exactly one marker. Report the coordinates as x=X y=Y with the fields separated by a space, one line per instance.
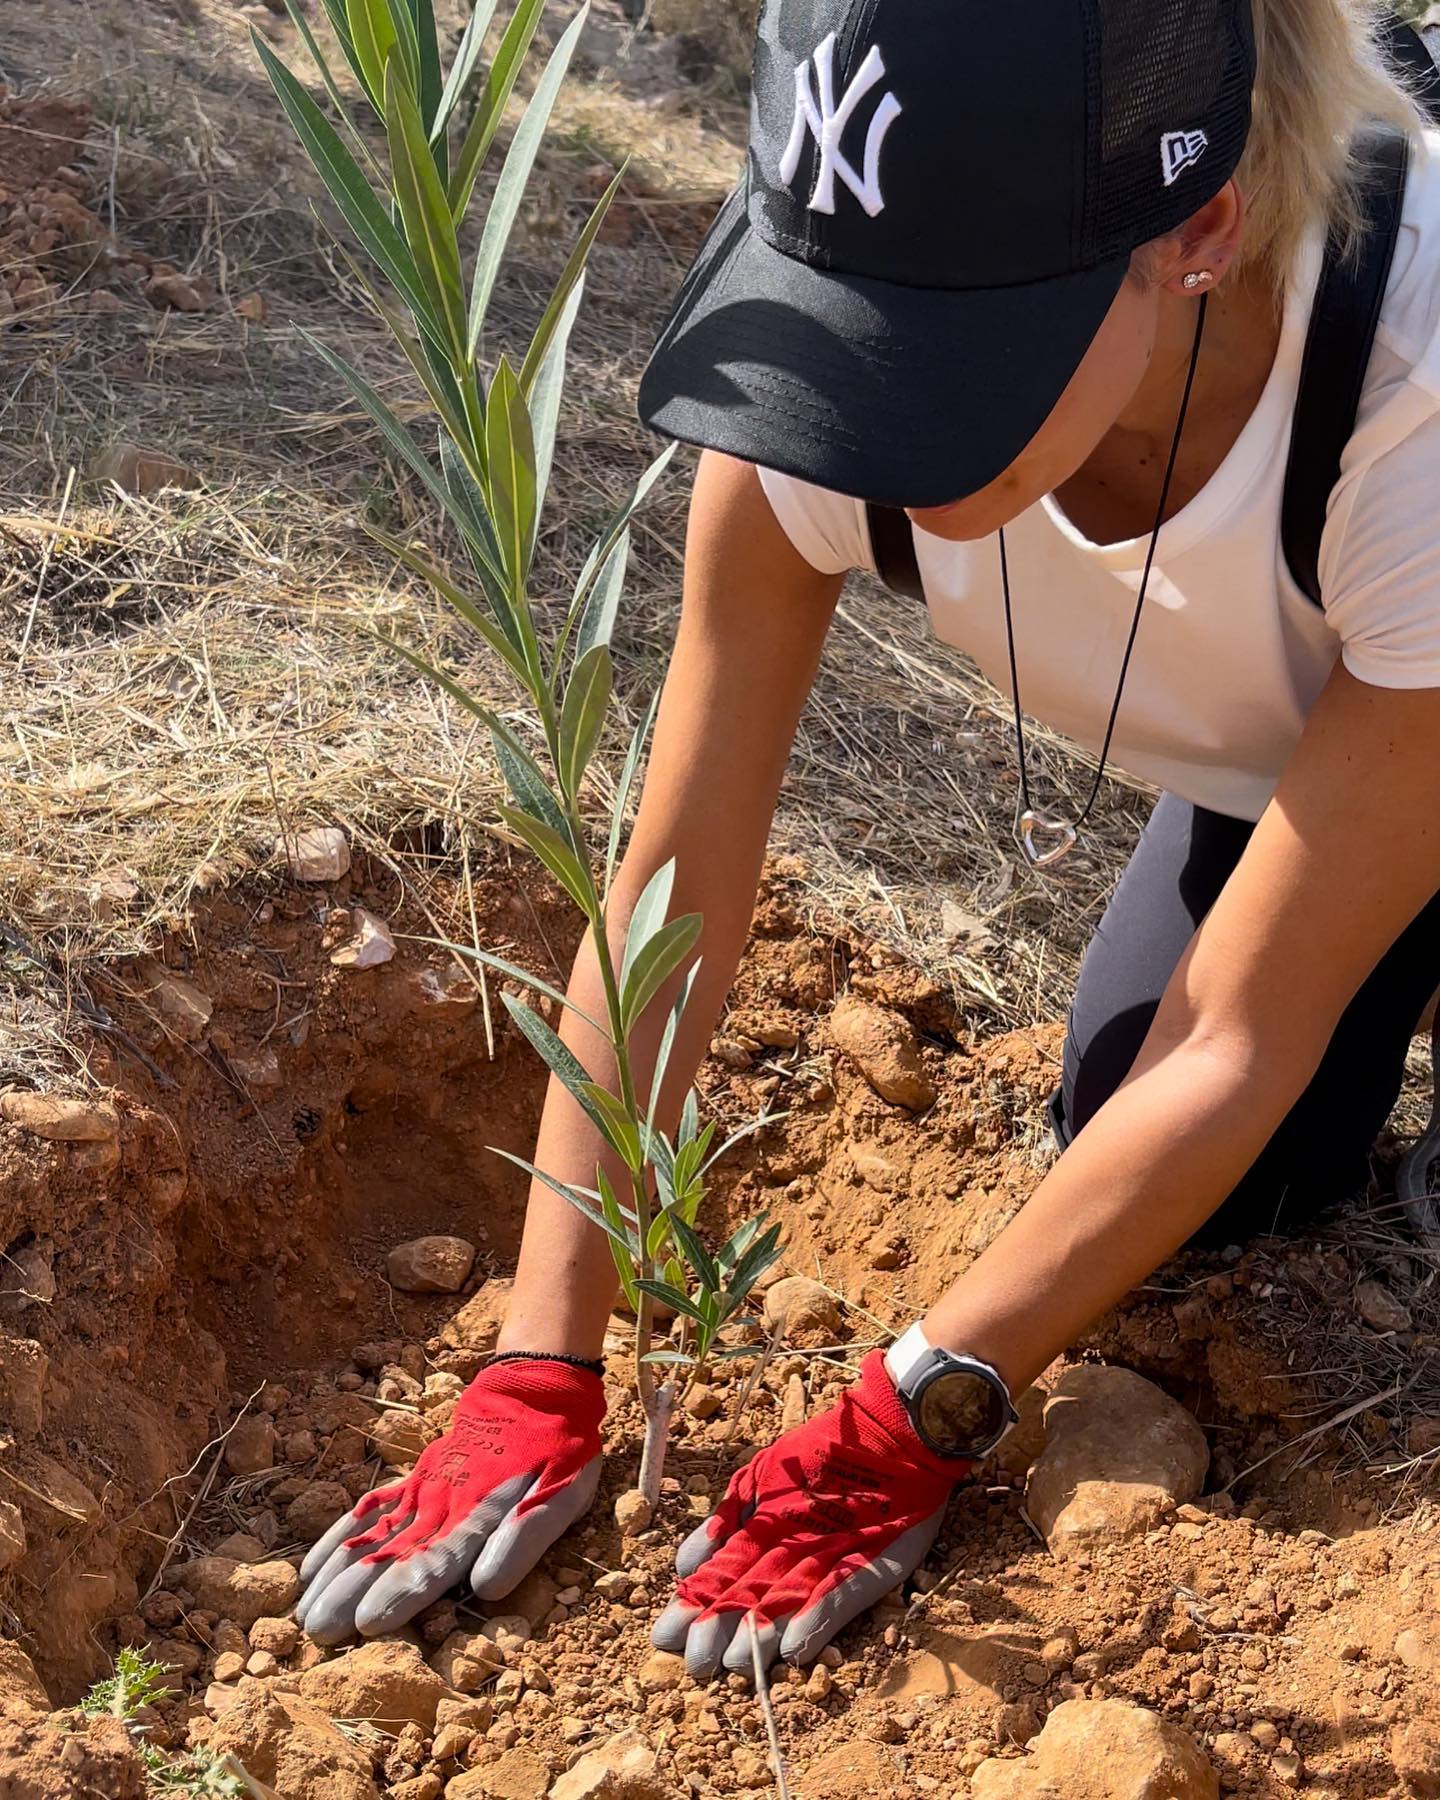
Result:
x=909 y=396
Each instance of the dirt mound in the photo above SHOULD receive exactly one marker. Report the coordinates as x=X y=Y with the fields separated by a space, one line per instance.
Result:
x=206 y=1251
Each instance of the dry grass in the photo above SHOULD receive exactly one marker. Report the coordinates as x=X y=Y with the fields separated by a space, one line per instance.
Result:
x=187 y=672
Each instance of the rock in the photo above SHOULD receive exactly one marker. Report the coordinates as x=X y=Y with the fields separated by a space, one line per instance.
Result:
x=244 y=1592
x=467 y=1660
x=27 y=1278
x=387 y=1682
x=278 y=1636
x=1379 y=1308
x=185 y=1008
x=1418 y=1646
x=320 y=853
x=1101 y=1750
x=290 y=1745
x=399 y=1436
x=139 y=471
x=250 y=1447
x=54 y=1483
x=1422 y=1434
x=229 y=1666
x=879 y=1172
x=252 y=307
x=857 y=1770
x=515 y=1775
x=800 y=1311
x=24 y=1368
x=477 y=1324
x=241 y=1546
x=703 y=1401
x=632 y=1512
x=372 y=945
x=12 y=1535
x=62 y=1118
x=431 y=1265
x=886 y=1051
x=1026 y=1437
x=1415 y=1752
x=316 y=1508
x=428 y=1786
x=886 y=1250
x=1119 y=1455
x=625 y=1768
x=661 y=1672
x=615 y=1584
x=21 y=1691
x=173 y=291
x=793 y=1404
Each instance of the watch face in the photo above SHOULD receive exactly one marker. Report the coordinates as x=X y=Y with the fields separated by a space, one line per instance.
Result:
x=958 y=1413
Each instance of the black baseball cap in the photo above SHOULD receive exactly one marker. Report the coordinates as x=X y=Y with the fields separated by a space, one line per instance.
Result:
x=940 y=202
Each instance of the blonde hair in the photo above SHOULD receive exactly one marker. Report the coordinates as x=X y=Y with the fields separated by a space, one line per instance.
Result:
x=1320 y=74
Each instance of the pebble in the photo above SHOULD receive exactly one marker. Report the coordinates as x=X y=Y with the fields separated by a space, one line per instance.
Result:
x=61 y=1118
x=135 y=469
x=319 y=853
x=431 y=1265
x=371 y=946
x=885 y=1049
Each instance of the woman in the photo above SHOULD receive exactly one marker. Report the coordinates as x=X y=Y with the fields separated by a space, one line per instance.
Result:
x=1049 y=281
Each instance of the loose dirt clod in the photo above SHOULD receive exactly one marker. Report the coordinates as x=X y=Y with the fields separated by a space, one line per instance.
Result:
x=1102 y=1750
x=884 y=1048
x=801 y=1311
x=431 y=1265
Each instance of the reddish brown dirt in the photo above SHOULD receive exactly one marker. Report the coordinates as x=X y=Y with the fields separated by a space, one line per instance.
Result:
x=237 y=1236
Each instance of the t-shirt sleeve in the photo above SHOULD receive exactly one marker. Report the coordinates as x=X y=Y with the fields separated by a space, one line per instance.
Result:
x=827 y=529
x=1382 y=590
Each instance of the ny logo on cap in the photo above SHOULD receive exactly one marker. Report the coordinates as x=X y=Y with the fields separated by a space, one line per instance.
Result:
x=826 y=124
x=1181 y=150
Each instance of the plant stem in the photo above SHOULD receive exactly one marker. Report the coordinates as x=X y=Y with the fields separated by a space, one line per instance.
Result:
x=659 y=1404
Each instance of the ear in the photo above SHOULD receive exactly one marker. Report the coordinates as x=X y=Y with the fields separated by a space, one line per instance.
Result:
x=1208 y=240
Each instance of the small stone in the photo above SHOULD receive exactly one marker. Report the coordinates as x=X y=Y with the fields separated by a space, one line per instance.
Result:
x=62 y=1118
x=615 y=1584
x=884 y=1048
x=241 y=1546
x=244 y=1592
x=661 y=1673
x=250 y=1446
x=185 y=1008
x=1418 y=1647
x=1101 y=1750
x=24 y=1371
x=793 y=1404
x=372 y=945
x=624 y=1768
x=731 y=1052
x=220 y=1696
x=387 y=1682
x=467 y=1660
x=252 y=307
x=633 y=1513
x=886 y=1251
x=1415 y=1752
x=518 y=1774
x=1379 y=1308
x=316 y=1508
x=399 y=1436
x=431 y=1265
x=278 y=1636
x=229 y=1666
x=139 y=471
x=300 y=1447
x=801 y=1311
x=1289 y=1767
x=1119 y=1455
x=174 y=292
x=819 y=1683
x=752 y=1770
x=703 y=1401
x=320 y=853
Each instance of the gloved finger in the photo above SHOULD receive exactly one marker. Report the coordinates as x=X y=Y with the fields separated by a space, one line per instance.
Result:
x=526 y=1532
x=327 y=1607
x=735 y=1508
x=706 y=1642
x=349 y=1526
x=733 y=1561
x=740 y=1657
x=404 y=1586
x=429 y=1520
x=672 y=1628
x=852 y=1586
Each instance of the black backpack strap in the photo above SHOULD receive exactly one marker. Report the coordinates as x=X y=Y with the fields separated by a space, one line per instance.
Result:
x=892 y=544
x=1337 y=353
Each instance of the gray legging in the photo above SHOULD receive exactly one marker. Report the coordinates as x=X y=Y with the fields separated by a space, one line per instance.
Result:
x=1320 y=1152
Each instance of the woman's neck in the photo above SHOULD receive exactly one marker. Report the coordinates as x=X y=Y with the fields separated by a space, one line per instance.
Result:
x=1112 y=496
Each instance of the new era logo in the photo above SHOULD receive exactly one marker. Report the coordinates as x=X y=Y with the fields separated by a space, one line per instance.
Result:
x=826 y=122
x=1181 y=150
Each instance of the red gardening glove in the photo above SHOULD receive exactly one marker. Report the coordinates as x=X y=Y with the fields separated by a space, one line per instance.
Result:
x=518 y=1466
x=810 y=1533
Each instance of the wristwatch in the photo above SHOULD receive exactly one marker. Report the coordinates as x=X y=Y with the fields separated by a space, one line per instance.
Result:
x=958 y=1405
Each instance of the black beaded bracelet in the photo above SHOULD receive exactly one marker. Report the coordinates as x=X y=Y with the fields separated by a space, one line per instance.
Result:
x=593 y=1364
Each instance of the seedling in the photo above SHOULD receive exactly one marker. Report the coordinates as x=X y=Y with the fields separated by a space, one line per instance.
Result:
x=404 y=197
x=194 y=1775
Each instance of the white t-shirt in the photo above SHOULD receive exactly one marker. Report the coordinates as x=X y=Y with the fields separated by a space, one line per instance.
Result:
x=1230 y=656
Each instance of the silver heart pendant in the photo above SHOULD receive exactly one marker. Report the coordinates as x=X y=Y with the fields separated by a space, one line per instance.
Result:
x=1039 y=857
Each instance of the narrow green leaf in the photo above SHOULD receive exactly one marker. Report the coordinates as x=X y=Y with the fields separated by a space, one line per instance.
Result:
x=648 y=916
x=673 y=1298
x=562 y=1063
x=690 y=1119
x=402 y=17
x=455 y=596
x=753 y=1265
x=373 y=34
x=735 y=1137
x=667 y=1040
x=510 y=458
x=605 y=543
x=623 y=786
x=656 y=963
x=340 y=25
x=577 y=1200
x=463 y=67
x=582 y=716
x=672 y=1357
x=696 y=1254
x=337 y=99
x=394 y=433
x=347 y=187
x=602 y=604
x=554 y=852
x=657 y=1237
x=515 y=973
x=429 y=229
x=490 y=108
x=624 y=1242
x=623 y=1136
x=515 y=176
x=427 y=39
x=527 y=786
x=572 y=276
x=545 y=397
x=422 y=356
x=740 y=1241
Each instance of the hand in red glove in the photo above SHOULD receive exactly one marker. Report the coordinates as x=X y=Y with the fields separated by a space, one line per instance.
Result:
x=518 y=1466
x=810 y=1533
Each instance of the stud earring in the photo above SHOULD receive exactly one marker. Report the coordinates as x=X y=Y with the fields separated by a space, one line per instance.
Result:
x=1197 y=279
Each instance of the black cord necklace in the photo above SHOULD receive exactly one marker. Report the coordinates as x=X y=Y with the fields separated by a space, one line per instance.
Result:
x=1028 y=820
